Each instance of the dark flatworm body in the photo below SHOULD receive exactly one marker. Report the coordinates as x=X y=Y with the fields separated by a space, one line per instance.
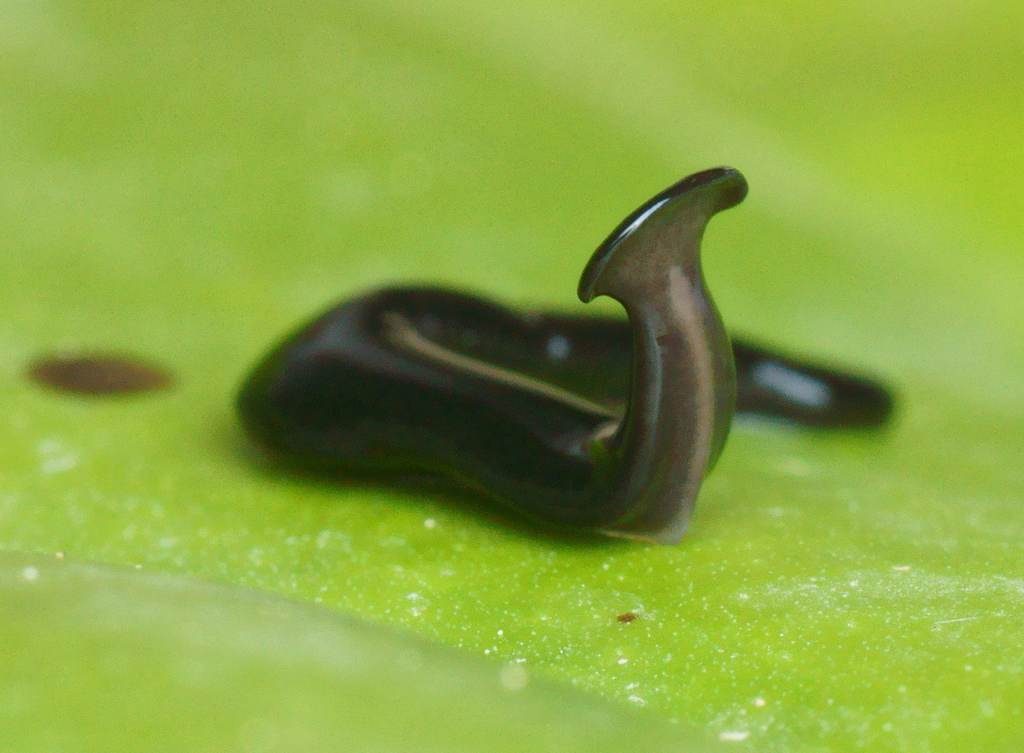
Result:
x=592 y=423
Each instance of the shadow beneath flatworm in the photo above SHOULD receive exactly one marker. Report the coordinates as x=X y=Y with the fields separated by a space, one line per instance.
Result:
x=435 y=491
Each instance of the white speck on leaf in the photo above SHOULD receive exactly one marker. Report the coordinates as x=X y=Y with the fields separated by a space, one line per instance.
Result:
x=59 y=464
x=955 y=619
x=734 y=736
x=796 y=468
x=513 y=677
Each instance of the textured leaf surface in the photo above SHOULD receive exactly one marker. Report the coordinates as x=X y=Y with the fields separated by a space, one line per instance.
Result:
x=190 y=182
x=104 y=659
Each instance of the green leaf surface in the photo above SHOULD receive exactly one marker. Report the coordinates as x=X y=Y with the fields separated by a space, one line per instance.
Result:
x=101 y=659
x=188 y=182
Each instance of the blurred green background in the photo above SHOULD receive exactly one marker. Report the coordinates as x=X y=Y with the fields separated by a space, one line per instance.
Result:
x=189 y=182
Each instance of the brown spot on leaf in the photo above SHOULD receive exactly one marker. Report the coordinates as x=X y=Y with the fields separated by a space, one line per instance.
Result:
x=626 y=617
x=99 y=374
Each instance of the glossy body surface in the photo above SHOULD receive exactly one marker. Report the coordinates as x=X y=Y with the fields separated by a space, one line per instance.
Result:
x=365 y=387
x=591 y=357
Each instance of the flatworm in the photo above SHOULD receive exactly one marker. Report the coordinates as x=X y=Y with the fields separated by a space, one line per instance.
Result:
x=585 y=423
